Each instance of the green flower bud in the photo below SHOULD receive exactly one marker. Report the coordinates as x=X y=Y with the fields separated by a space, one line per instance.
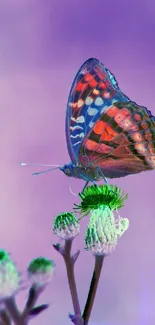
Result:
x=40 y=271
x=66 y=225
x=9 y=276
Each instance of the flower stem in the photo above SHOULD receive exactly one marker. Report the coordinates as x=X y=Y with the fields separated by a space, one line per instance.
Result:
x=69 y=262
x=18 y=317
x=5 y=317
x=14 y=312
x=34 y=293
x=71 y=277
x=93 y=288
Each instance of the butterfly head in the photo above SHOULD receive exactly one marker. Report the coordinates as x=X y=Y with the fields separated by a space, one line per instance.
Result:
x=68 y=169
x=72 y=170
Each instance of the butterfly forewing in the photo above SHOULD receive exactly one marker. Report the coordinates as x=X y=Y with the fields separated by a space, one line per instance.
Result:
x=93 y=92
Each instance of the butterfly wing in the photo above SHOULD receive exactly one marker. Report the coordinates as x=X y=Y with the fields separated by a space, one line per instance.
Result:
x=122 y=141
x=104 y=128
x=94 y=90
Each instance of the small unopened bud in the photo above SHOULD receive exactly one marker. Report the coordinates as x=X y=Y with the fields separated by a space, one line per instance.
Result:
x=66 y=225
x=40 y=271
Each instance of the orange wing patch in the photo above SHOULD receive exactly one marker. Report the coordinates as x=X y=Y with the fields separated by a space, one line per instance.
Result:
x=88 y=77
x=151 y=148
x=137 y=117
x=96 y=92
x=112 y=111
x=108 y=134
x=144 y=125
x=99 y=127
x=93 y=83
x=80 y=86
x=105 y=130
x=137 y=137
x=148 y=135
x=121 y=115
x=103 y=85
x=100 y=74
x=128 y=125
x=98 y=147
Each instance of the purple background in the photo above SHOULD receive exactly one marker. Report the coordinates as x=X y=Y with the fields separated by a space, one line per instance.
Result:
x=42 y=45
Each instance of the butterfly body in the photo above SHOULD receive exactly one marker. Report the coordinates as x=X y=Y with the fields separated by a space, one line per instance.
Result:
x=87 y=173
x=107 y=134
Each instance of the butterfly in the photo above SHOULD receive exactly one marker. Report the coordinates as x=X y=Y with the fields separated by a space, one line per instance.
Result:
x=107 y=134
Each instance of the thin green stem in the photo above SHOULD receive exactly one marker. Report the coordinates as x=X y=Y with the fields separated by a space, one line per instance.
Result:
x=93 y=288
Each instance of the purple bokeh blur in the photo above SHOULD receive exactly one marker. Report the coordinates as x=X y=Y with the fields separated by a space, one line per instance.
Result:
x=42 y=45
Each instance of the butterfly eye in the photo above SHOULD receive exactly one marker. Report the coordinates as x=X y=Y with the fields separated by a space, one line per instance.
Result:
x=67 y=171
x=112 y=79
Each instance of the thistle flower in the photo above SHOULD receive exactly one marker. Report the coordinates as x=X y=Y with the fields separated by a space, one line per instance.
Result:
x=105 y=227
x=9 y=276
x=66 y=225
x=40 y=271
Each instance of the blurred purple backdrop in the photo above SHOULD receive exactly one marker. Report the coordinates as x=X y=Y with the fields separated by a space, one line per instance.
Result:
x=42 y=45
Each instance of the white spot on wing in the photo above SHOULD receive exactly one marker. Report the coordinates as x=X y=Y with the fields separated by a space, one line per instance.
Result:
x=80 y=103
x=88 y=101
x=114 y=101
x=91 y=124
x=76 y=143
x=92 y=111
x=81 y=135
x=99 y=101
x=76 y=127
x=80 y=119
x=104 y=109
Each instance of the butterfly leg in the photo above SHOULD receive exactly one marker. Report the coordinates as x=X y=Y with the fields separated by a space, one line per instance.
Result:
x=87 y=182
x=84 y=177
x=105 y=179
x=101 y=173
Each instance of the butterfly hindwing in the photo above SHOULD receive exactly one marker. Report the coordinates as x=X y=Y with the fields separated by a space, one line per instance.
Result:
x=93 y=91
x=122 y=141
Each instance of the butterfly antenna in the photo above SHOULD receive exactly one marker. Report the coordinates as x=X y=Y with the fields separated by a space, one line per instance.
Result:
x=41 y=165
x=38 y=165
x=44 y=171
